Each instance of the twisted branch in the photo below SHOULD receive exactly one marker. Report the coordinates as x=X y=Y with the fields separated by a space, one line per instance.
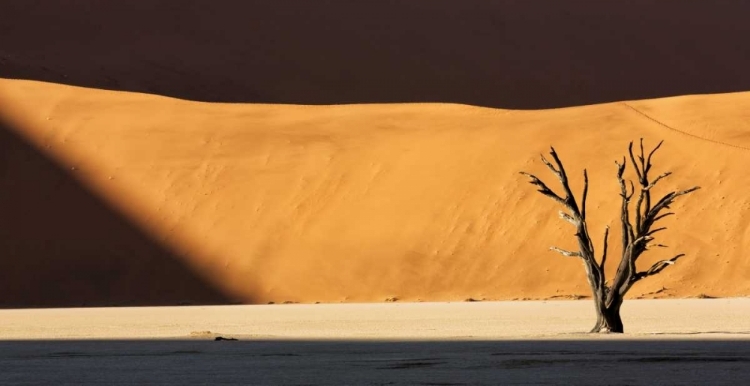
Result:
x=656 y=268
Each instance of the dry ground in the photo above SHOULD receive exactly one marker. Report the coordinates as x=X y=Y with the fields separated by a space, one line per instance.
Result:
x=695 y=342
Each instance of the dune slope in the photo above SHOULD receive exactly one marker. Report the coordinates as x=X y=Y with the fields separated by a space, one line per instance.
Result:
x=366 y=202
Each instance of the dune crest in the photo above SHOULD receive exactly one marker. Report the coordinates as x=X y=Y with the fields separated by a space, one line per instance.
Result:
x=408 y=201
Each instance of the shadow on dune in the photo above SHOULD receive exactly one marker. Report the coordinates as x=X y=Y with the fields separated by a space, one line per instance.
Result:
x=60 y=246
x=498 y=53
x=290 y=362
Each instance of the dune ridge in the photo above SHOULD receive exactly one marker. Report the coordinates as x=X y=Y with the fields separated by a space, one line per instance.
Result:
x=350 y=203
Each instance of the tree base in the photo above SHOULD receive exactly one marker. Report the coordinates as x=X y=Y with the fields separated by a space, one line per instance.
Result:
x=609 y=322
x=605 y=331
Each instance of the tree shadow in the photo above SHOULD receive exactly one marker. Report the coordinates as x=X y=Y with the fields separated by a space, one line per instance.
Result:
x=61 y=246
x=299 y=362
x=498 y=53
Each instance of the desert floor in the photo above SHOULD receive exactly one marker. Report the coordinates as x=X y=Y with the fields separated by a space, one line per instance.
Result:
x=687 y=341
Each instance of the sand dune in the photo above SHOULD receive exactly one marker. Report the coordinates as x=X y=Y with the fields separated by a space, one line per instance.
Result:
x=497 y=53
x=364 y=202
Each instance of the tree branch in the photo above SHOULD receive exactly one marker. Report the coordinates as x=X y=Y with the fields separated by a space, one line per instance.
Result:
x=569 y=218
x=664 y=202
x=604 y=249
x=655 y=231
x=544 y=189
x=570 y=201
x=661 y=216
x=565 y=252
x=643 y=160
x=585 y=193
x=574 y=215
x=558 y=173
x=624 y=216
x=648 y=161
x=657 y=179
x=627 y=228
x=644 y=198
x=638 y=209
x=632 y=159
x=656 y=268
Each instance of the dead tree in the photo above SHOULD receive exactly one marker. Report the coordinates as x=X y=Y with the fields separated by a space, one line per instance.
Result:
x=637 y=233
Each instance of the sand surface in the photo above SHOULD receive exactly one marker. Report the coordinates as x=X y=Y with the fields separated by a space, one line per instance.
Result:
x=165 y=201
x=692 y=342
x=655 y=318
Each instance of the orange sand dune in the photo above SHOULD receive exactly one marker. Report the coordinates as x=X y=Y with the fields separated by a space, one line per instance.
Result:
x=362 y=202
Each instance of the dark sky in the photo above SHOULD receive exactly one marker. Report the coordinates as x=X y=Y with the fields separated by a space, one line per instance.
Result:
x=525 y=54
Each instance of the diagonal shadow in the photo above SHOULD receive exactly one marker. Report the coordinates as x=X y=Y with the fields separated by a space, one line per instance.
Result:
x=299 y=362
x=61 y=246
x=497 y=53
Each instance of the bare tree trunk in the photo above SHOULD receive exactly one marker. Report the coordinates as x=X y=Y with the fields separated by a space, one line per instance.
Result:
x=608 y=318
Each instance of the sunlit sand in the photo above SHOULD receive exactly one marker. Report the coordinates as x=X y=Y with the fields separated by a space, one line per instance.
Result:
x=667 y=341
x=353 y=203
